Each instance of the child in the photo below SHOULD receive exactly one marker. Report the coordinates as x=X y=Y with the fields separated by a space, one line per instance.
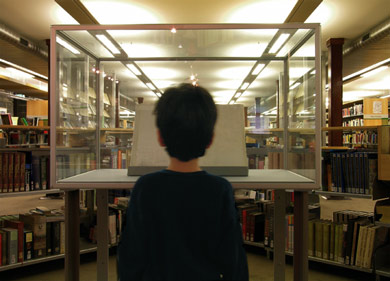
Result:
x=181 y=222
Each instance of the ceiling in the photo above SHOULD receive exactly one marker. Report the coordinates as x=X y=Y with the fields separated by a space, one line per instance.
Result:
x=339 y=19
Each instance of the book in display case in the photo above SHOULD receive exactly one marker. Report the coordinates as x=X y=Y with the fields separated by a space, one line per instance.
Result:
x=89 y=77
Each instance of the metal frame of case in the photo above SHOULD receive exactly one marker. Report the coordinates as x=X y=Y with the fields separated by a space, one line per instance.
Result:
x=257 y=180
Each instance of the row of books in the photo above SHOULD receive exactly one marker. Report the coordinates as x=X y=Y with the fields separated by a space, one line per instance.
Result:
x=27 y=138
x=351 y=240
x=353 y=122
x=356 y=138
x=8 y=119
x=116 y=219
x=354 y=110
x=23 y=171
x=350 y=171
x=274 y=160
x=74 y=164
x=115 y=159
x=29 y=236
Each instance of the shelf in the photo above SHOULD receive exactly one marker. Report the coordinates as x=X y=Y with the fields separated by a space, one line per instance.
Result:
x=25 y=149
x=256 y=244
x=85 y=247
x=382 y=223
x=117 y=130
x=21 y=127
x=383 y=271
x=330 y=262
x=28 y=193
x=341 y=194
x=353 y=116
x=352 y=128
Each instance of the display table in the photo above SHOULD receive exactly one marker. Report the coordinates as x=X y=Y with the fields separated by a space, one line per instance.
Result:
x=105 y=179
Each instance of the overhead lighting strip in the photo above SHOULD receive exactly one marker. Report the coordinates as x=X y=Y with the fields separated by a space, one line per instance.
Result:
x=18 y=67
x=67 y=46
x=107 y=43
x=365 y=70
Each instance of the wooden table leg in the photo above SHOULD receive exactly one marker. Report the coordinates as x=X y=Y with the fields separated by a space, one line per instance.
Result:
x=102 y=234
x=301 y=264
x=72 y=235
x=279 y=235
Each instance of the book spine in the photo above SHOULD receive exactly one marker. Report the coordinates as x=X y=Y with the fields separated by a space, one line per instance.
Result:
x=49 y=250
x=325 y=241
x=28 y=245
x=332 y=241
x=22 y=175
x=1 y=174
x=10 y=172
x=318 y=239
x=12 y=246
x=17 y=172
x=43 y=182
x=1 y=248
x=36 y=175
x=311 y=238
x=62 y=237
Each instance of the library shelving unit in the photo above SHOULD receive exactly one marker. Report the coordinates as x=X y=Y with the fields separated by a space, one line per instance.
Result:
x=79 y=67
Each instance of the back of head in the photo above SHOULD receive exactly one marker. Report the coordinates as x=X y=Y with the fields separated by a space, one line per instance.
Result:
x=186 y=117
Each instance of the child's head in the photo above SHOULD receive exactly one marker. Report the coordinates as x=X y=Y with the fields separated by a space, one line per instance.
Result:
x=186 y=116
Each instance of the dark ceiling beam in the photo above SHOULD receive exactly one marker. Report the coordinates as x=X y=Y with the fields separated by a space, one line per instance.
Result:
x=78 y=11
x=302 y=10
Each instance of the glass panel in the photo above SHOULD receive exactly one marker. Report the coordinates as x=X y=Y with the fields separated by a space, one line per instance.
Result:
x=301 y=109
x=270 y=71
x=76 y=111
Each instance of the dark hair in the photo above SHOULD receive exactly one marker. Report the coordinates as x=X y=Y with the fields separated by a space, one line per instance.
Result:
x=185 y=116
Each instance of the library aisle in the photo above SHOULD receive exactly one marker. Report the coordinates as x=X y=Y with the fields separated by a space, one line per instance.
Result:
x=260 y=268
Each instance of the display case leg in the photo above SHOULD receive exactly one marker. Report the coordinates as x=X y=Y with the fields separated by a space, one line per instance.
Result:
x=72 y=235
x=279 y=235
x=301 y=229
x=102 y=234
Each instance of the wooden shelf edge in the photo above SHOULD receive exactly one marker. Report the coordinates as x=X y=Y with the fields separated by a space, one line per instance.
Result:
x=29 y=193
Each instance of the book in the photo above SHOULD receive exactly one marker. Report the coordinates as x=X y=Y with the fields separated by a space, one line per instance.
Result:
x=318 y=239
x=49 y=250
x=36 y=223
x=12 y=245
x=10 y=172
x=16 y=176
x=28 y=244
x=43 y=172
x=6 y=118
x=1 y=174
x=326 y=239
x=332 y=242
x=310 y=248
x=19 y=226
x=4 y=250
x=62 y=237
x=56 y=237
x=22 y=176
x=35 y=172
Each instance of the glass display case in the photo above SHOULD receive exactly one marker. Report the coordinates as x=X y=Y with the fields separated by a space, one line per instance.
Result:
x=99 y=73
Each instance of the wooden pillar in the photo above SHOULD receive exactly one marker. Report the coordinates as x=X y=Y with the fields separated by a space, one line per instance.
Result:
x=280 y=235
x=335 y=72
x=102 y=234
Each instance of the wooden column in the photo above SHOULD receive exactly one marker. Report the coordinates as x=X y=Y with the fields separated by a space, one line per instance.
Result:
x=335 y=72
x=280 y=235
x=102 y=234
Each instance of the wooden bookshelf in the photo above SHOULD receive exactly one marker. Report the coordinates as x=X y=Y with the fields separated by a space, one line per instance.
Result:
x=22 y=127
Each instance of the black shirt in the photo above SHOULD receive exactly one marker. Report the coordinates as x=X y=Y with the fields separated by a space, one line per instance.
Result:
x=182 y=226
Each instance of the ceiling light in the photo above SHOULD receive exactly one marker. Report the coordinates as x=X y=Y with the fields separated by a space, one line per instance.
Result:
x=192 y=77
x=231 y=101
x=134 y=69
x=180 y=46
x=375 y=71
x=245 y=86
x=384 y=97
x=173 y=30
x=19 y=73
x=295 y=85
x=150 y=86
x=258 y=68
x=386 y=61
x=237 y=95
x=106 y=42
x=24 y=69
x=279 y=42
x=67 y=46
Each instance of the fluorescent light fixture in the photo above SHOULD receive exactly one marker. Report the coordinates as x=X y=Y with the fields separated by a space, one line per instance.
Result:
x=295 y=85
x=279 y=42
x=237 y=95
x=173 y=30
x=133 y=69
x=24 y=69
x=245 y=85
x=106 y=42
x=386 y=61
x=231 y=101
x=258 y=68
x=19 y=73
x=67 y=46
x=384 y=97
x=375 y=71
x=313 y=72
x=150 y=86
